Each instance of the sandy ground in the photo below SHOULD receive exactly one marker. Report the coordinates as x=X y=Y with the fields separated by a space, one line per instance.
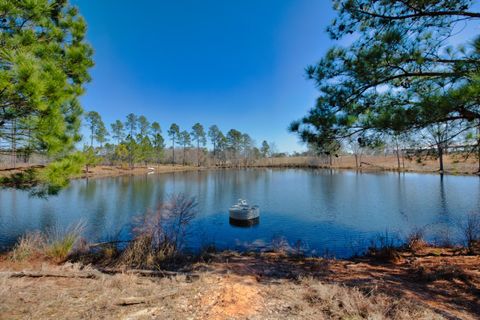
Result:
x=113 y=171
x=267 y=286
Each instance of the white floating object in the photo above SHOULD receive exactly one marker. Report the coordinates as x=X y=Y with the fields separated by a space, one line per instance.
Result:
x=243 y=212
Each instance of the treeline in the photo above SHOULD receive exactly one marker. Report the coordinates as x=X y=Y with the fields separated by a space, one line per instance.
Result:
x=136 y=140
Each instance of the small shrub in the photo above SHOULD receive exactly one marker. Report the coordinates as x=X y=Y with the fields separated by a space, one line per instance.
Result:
x=415 y=240
x=60 y=243
x=159 y=236
x=471 y=231
x=56 y=243
x=207 y=251
x=384 y=248
x=280 y=244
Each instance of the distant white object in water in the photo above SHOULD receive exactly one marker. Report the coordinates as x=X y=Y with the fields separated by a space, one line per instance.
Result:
x=242 y=211
x=151 y=169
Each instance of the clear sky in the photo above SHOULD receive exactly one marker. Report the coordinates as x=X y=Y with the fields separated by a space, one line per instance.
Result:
x=237 y=63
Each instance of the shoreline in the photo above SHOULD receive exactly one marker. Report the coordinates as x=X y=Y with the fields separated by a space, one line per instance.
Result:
x=114 y=171
x=369 y=164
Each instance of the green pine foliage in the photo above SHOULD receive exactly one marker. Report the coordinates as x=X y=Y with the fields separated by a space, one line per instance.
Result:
x=399 y=74
x=44 y=64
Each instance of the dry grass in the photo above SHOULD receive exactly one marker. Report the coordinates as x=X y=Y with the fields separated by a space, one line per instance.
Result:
x=312 y=299
x=210 y=296
x=56 y=243
x=454 y=164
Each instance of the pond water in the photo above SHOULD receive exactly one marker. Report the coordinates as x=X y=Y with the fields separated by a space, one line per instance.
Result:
x=322 y=211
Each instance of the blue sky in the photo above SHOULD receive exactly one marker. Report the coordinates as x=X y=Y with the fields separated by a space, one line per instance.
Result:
x=238 y=63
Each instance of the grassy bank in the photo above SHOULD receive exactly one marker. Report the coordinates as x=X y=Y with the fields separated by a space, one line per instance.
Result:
x=454 y=164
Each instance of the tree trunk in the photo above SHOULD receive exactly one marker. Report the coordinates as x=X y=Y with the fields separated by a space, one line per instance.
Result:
x=440 y=157
x=214 y=155
x=356 y=161
x=14 y=143
x=198 y=153
x=173 y=150
x=398 y=160
x=478 y=145
x=398 y=154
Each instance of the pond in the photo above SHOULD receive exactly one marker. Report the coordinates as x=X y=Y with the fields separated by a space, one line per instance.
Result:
x=323 y=212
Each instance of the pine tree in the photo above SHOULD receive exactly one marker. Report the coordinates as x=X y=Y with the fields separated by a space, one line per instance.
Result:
x=214 y=135
x=98 y=132
x=44 y=64
x=131 y=125
x=158 y=141
x=174 y=134
x=234 y=141
x=265 y=149
x=185 y=141
x=399 y=74
x=118 y=131
x=198 y=135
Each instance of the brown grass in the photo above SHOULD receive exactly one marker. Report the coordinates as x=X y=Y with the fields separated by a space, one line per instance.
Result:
x=454 y=164
x=56 y=243
x=210 y=296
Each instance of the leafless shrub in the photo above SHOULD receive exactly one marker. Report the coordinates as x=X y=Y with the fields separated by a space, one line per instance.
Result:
x=160 y=235
x=415 y=240
x=443 y=238
x=280 y=244
x=384 y=248
x=471 y=231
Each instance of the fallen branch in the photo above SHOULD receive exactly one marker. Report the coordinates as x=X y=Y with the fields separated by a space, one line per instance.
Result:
x=31 y=274
x=99 y=244
x=141 y=300
x=150 y=273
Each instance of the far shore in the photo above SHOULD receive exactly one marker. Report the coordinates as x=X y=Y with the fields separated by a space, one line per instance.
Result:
x=454 y=165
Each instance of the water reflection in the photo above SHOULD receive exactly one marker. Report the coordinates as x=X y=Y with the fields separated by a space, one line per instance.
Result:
x=329 y=211
x=244 y=223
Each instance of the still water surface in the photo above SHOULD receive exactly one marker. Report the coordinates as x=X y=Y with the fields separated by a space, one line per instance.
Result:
x=334 y=212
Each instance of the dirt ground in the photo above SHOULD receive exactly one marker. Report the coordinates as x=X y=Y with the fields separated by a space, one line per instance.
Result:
x=114 y=171
x=435 y=285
